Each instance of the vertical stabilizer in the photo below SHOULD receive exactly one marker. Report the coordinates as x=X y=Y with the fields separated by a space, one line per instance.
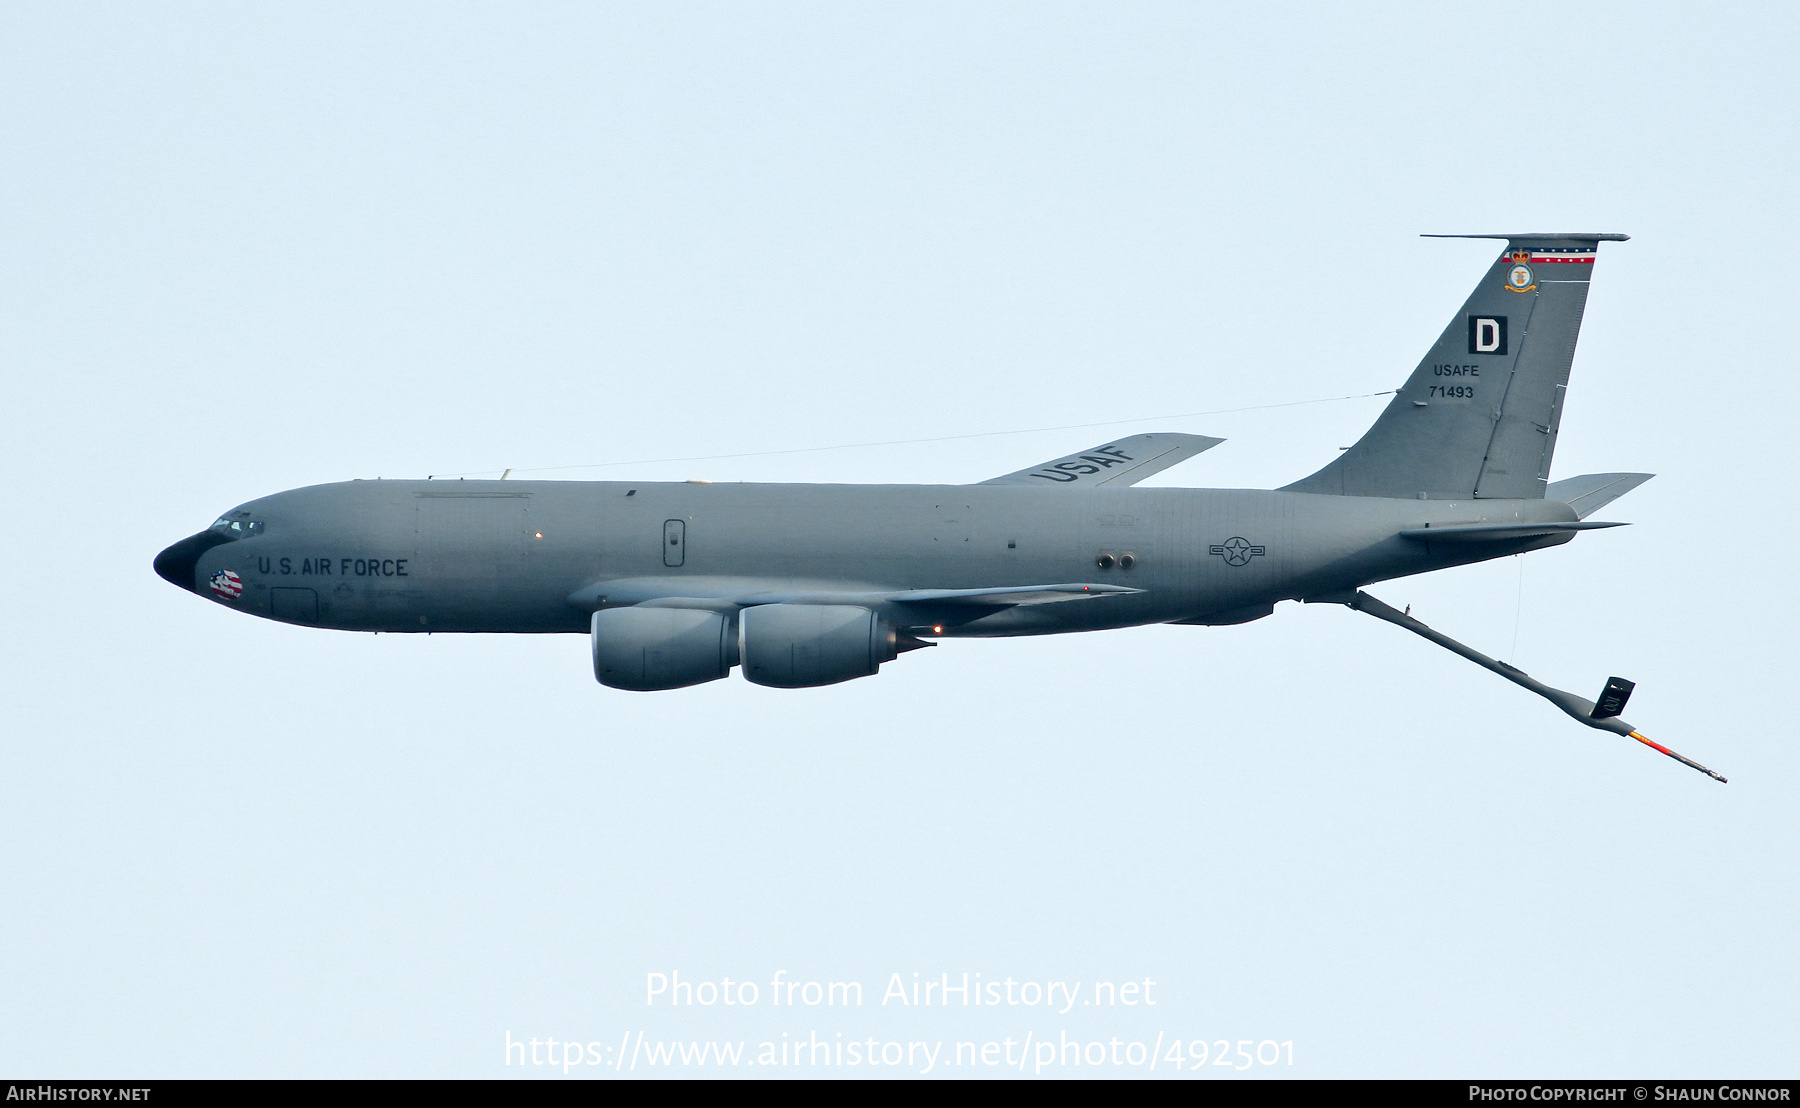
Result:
x=1478 y=418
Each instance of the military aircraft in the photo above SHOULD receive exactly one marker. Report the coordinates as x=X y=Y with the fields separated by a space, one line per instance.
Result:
x=803 y=585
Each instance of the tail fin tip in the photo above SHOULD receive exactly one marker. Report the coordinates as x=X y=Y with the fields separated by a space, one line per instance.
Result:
x=1545 y=237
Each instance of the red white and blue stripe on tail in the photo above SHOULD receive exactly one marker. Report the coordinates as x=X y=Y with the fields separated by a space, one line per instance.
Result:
x=1576 y=255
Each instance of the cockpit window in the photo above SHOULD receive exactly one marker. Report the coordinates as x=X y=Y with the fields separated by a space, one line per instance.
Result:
x=236 y=528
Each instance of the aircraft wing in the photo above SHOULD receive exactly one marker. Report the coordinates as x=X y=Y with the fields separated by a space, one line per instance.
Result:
x=732 y=593
x=1122 y=462
x=1005 y=597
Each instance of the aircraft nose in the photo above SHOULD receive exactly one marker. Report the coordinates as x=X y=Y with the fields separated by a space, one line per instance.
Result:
x=176 y=564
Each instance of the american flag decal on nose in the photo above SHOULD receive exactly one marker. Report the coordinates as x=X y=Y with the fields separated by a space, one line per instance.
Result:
x=227 y=584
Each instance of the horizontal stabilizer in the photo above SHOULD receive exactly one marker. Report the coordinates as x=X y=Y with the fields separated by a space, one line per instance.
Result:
x=1120 y=463
x=1002 y=597
x=1498 y=532
x=1591 y=492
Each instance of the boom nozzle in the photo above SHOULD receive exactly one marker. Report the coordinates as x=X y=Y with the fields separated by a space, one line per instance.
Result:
x=1684 y=761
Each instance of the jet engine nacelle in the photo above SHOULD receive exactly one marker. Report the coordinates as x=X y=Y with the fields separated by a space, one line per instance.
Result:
x=797 y=646
x=648 y=649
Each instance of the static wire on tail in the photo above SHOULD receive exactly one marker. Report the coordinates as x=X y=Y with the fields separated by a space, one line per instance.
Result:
x=1602 y=715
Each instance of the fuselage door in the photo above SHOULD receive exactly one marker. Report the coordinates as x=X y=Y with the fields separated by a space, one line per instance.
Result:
x=674 y=547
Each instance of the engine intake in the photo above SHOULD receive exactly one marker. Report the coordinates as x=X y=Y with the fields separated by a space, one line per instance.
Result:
x=649 y=649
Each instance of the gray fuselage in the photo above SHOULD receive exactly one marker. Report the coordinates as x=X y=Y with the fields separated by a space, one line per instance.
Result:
x=542 y=556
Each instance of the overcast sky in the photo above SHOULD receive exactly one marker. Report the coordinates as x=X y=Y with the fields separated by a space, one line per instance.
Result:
x=248 y=248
